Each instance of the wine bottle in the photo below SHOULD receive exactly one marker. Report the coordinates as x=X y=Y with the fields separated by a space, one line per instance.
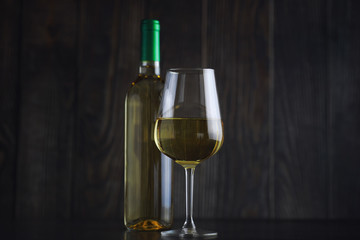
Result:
x=148 y=173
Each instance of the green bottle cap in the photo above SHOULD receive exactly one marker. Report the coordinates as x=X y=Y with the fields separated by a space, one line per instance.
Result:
x=150 y=40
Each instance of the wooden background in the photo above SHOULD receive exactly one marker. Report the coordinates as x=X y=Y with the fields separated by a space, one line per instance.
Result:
x=288 y=76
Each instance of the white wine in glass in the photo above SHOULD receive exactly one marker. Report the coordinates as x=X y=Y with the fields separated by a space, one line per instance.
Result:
x=188 y=141
x=189 y=130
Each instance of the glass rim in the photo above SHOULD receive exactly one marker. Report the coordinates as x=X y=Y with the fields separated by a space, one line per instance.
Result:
x=189 y=70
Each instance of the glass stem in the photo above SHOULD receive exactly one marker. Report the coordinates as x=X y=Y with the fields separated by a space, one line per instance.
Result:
x=189 y=225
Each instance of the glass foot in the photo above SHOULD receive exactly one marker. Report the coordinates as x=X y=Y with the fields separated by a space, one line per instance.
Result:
x=188 y=233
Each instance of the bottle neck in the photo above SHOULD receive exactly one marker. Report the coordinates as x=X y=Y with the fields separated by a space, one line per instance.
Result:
x=149 y=68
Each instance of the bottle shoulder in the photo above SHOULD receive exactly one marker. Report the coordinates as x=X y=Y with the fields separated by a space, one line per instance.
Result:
x=147 y=79
x=146 y=83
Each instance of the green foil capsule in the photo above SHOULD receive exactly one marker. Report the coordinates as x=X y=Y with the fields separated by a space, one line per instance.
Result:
x=150 y=40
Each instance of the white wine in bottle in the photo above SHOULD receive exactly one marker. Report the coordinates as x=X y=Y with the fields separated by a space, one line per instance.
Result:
x=148 y=173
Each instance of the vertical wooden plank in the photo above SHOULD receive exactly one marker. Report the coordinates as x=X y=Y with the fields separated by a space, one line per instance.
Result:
x=180 y=32
x=9 y=85
x=344 y=107
x=180 y=47
x=300 y=117
x=110 y=49
x=108 y=59
x=237 y=48
x=48 y=80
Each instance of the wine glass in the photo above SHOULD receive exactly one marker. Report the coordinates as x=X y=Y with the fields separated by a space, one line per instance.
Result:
x=189 y=130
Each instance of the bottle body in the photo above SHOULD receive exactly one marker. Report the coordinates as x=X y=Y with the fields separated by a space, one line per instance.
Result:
x=148 y=173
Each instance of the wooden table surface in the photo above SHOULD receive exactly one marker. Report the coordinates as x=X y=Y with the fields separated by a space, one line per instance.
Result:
x=227 y=229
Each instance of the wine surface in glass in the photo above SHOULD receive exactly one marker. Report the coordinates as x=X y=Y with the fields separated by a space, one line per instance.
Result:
x=189 y=141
